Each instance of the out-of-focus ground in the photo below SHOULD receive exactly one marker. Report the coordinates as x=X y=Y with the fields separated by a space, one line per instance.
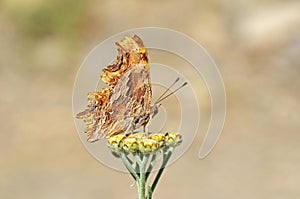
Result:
x=256 y=45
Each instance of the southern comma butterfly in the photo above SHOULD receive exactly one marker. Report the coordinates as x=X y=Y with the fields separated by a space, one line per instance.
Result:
x=126 y=104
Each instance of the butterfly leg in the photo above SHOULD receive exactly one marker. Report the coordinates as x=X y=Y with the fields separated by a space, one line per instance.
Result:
x=129 y=126
x=146 y=129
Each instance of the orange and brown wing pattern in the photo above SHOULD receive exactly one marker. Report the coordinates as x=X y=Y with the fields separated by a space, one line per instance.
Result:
x=131 y=51
x=132 y=93
x=126 y=105
x=130 y=102
x=95 y=114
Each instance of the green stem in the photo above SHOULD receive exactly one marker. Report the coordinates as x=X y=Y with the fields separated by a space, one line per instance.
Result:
x=151 y=166
x=166 y=157
x=138 y=170
x=142 y=179
x=129 y=167
x=138 y=159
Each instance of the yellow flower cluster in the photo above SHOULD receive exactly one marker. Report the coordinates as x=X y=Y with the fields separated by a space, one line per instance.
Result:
x=143 y=143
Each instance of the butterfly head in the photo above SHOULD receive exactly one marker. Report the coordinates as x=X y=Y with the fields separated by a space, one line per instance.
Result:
x=154 y=109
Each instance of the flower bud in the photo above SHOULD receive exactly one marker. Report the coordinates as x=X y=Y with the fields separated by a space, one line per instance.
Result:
x=159 y=137
x=148 y=145
x=172 y=139
x=115 y=144
x=116 y=141
x=130 y=145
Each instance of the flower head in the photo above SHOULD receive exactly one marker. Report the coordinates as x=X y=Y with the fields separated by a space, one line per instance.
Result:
x=143 y=143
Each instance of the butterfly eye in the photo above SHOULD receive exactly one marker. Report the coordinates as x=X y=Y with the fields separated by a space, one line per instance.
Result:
x=127 y=54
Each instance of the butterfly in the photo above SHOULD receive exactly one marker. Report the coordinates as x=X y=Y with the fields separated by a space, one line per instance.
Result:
x=126 y=104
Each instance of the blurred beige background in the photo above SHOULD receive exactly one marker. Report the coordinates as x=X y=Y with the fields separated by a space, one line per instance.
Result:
x=256 y=45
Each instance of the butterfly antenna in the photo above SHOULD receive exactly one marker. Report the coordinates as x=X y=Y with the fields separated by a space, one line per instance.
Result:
x=168 y=89
x=161 y=99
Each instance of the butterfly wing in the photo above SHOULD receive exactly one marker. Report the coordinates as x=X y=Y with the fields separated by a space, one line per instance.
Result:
x=95 y=114
x=126 y=105
x=130 y=101
x=131 y=52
